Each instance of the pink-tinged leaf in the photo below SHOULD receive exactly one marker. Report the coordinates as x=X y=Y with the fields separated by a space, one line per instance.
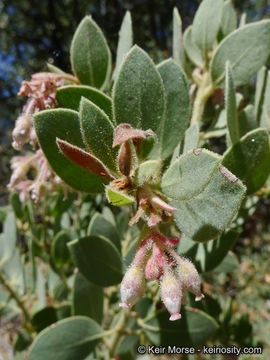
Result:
x=125 y=132
x=83 y=159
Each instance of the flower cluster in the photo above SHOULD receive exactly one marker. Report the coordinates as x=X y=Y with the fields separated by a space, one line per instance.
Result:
x=156 y=259
x=41 y=93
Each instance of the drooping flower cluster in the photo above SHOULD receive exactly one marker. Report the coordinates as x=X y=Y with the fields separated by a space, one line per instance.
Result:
x=156 y=259
x=41 y=93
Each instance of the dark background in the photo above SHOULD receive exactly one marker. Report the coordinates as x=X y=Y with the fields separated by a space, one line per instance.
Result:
x=33 y=32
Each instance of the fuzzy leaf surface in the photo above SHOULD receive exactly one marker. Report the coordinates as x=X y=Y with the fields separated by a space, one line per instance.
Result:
x=177 y=45
x=206 y=24
x=189 y=175
x=124 y=43
x=118 y=198
x=177 y=111
x=64 y=124
x=208 y=213
x=90 y=54
x=247 y=49
x=138 y=94
x=229 y=18
x=97 y=131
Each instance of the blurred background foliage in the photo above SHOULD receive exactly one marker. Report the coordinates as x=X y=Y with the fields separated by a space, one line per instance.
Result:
x=34 y=32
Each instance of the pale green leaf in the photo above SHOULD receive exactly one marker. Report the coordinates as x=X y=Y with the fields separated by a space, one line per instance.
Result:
x=230 y=106
x=192 y=50
x=124 y=43
x=246 y=48
x=177 y=41
x=229 y=18
x=206 y=24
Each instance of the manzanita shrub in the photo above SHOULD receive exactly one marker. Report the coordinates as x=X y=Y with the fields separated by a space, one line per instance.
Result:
x=94 y=276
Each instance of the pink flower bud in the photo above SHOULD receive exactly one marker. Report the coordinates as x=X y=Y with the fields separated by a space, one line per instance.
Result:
x=152 y=270
x=190 y=278
x=171 y=294
x=132 y=286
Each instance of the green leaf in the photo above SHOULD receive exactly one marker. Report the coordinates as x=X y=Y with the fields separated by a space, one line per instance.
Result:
x=90 y=54
x=118 y=198
x=208 y=214
x=13 y=270
x=190 y=174
x=63 y=123
x=243 y=20
x=250 y=159
x=60 y=252
x=87 y=299
x=70 y=96
x=192 y=50
x=246 y=48
x=194 y=328
x=247 y=120
x=138 y=93
x=206 y=256
x=69 y=339
x=265 y=118
x=22 y=340
x=229 y=264
x=124 y=43
x=260 y=92
x=148 y=172
x=8 y=238
x=177 y=42
x=228 y=19
x=97 y=130
x=206 y=24
x=177 y=111
x=43 y=318
x=54 y=69
x=97 y=259
x=191 y=139
x=230 y=105
x=100 y=226
x=14 y=200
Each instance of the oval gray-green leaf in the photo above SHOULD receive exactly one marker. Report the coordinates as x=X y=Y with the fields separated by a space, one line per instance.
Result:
x=99 y=225
x=60 y=251
x=206 y=24
x=246 y=48
x=178 y=46
x=229 y=18
x=176 y=116
x=97 y=259
x=90 y=54
x=192 y=50
x=230 y=105
x=148 y=172
x=209 y=213
x=138 y=94
x=124 y=43
x=97 y=131
x=8 y=238
x=70 y=96
x=192 y=136
x=87 y=298
x=68 y=339
x=260 y=92
x=194 y=328
x=249 y=159
x=190 y=174
x=64 y=124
